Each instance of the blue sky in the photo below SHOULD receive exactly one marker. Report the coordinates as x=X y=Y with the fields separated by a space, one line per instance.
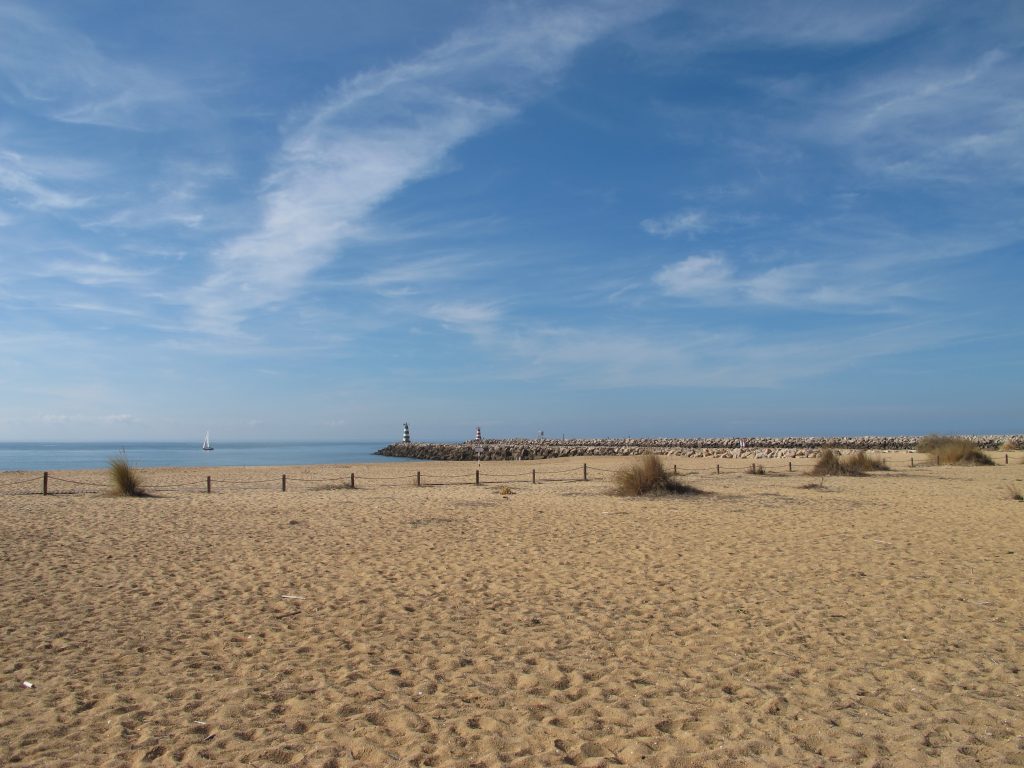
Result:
x=318 y=220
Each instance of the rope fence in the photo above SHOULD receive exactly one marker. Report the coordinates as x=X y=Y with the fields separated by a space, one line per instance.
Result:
x=49 y=484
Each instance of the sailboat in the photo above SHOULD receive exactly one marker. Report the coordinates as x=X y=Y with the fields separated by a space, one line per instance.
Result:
x=206 y=443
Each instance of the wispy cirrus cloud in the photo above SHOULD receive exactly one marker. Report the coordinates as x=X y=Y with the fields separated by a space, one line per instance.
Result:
x=787 y=24
x=63 y=75
x=711 y=278
x=610 y=357
x=33 y=182
x=470 y=318
x=803 y=23
x=92 y=269
x=381 y=131
x=691 y=222
x=412 y=277
x=960 y=121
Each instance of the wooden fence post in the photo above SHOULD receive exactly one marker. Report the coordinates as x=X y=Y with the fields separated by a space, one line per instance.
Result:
x=718 y=469
x=911 y=461
x=417 y=478
x=1007 y=457
x=534 y=473
x=284 y=484
x=791 y=466
x=352 y=480
x=208 y=484
x=584 y=471
x=46 y=481
x=478 y=477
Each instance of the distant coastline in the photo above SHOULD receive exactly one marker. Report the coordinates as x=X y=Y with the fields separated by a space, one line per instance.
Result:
x=43 y=456
x=735 y=447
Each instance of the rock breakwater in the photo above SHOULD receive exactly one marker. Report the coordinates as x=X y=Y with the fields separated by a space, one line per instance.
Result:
x=733 y=447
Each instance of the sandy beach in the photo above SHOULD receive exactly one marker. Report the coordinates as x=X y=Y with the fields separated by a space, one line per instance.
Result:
x=865 y=621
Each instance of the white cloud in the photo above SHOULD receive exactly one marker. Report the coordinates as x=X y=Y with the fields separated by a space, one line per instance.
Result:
x=56 y=418
x=784 y=285
x=707 y=277
x=687 y=221
x=381 y=131
x=178 y=196
x=814 y=23
x=712 y=279
x=744 y=24
x=63 y=74
x=92 y=270
x=959 y=122
x=121 y=418
x=96 y=307
x=25 y=179
x=608 y=357
x=414 y=276
x=465 y=317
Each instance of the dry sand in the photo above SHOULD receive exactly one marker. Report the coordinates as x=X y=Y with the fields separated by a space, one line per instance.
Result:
x=876 y=621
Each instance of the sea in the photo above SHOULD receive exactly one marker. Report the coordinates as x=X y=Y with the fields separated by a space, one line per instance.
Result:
x=53 y=456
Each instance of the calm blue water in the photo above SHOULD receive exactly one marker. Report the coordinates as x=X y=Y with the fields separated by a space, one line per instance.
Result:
x=53 y=456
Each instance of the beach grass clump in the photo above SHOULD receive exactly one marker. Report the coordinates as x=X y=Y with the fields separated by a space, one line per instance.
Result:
x=853 y=465
x=829 y=463
x=647 y=477
x=861 y=462
x=124 y=478
x=756 y=469
x=1015 y=493
x=953 y=450
x=1012 y=444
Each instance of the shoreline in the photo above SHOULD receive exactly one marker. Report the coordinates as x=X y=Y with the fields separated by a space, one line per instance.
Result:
x=47 y=456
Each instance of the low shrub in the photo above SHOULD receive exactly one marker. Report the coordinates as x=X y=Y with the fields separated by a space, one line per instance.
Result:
x=756 y=469
x=647 y=477
x=829 y=463
x=953 y=450
x=860 y=461
x=124 y=478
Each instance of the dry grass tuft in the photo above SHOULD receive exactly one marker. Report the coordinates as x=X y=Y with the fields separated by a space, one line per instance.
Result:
x=124 y=478
x=647 y=477
x=953 y=450
x=855 y=465
x=829 y=463
x=861 y=462
x=756 y=469
x=1010 y=445
x=1015 y=493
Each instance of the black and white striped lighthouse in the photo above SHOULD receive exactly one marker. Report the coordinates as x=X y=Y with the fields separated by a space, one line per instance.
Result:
x=405 y=432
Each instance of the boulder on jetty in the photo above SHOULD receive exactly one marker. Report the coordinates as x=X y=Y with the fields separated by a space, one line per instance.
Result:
x=713 y=447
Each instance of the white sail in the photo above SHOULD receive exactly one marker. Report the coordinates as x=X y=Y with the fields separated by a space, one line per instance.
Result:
x=206 y=443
